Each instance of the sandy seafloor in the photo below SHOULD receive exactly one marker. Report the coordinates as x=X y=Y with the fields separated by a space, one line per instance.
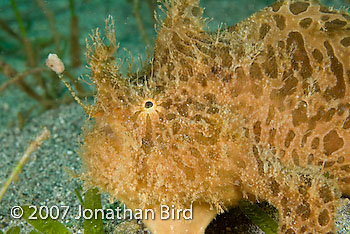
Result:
x=45 y=179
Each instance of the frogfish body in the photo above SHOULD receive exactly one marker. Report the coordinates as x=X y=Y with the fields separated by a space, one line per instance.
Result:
x=258 y=111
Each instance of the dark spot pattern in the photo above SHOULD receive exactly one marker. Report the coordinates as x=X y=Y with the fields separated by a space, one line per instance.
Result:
x=337 y=91
x=274 y=186
x=345 y=41
x=295 y=158
x=346 y=124
x=257 y=131
x=304 y=139
x=346 y=168
x=325 y=17
x=182 y=109
x=276 y=6
x=264 y=29
x=295 y=45
x=310 y=158
x=315 y=142
x=341 y=109
x=289 y=138
x=303 y=210
x=299 y=114
x=280 y=21
x=326 y=194
x=270 y=65
x=298 y=7
x=332 y=142
x=323 y=217
x=255 y=71
x=317 y=55
x=340 y=160
x=334 y=25
x=305 y=23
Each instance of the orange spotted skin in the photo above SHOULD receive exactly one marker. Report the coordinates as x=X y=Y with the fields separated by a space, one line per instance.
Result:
x=260 y=110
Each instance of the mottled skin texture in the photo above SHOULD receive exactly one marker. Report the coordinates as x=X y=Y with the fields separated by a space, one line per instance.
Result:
x=258 y=111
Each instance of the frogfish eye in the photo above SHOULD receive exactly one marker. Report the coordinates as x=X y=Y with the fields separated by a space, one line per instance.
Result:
x=148 y=104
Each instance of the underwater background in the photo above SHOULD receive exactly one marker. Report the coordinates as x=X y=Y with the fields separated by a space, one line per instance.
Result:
x=32 y=97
